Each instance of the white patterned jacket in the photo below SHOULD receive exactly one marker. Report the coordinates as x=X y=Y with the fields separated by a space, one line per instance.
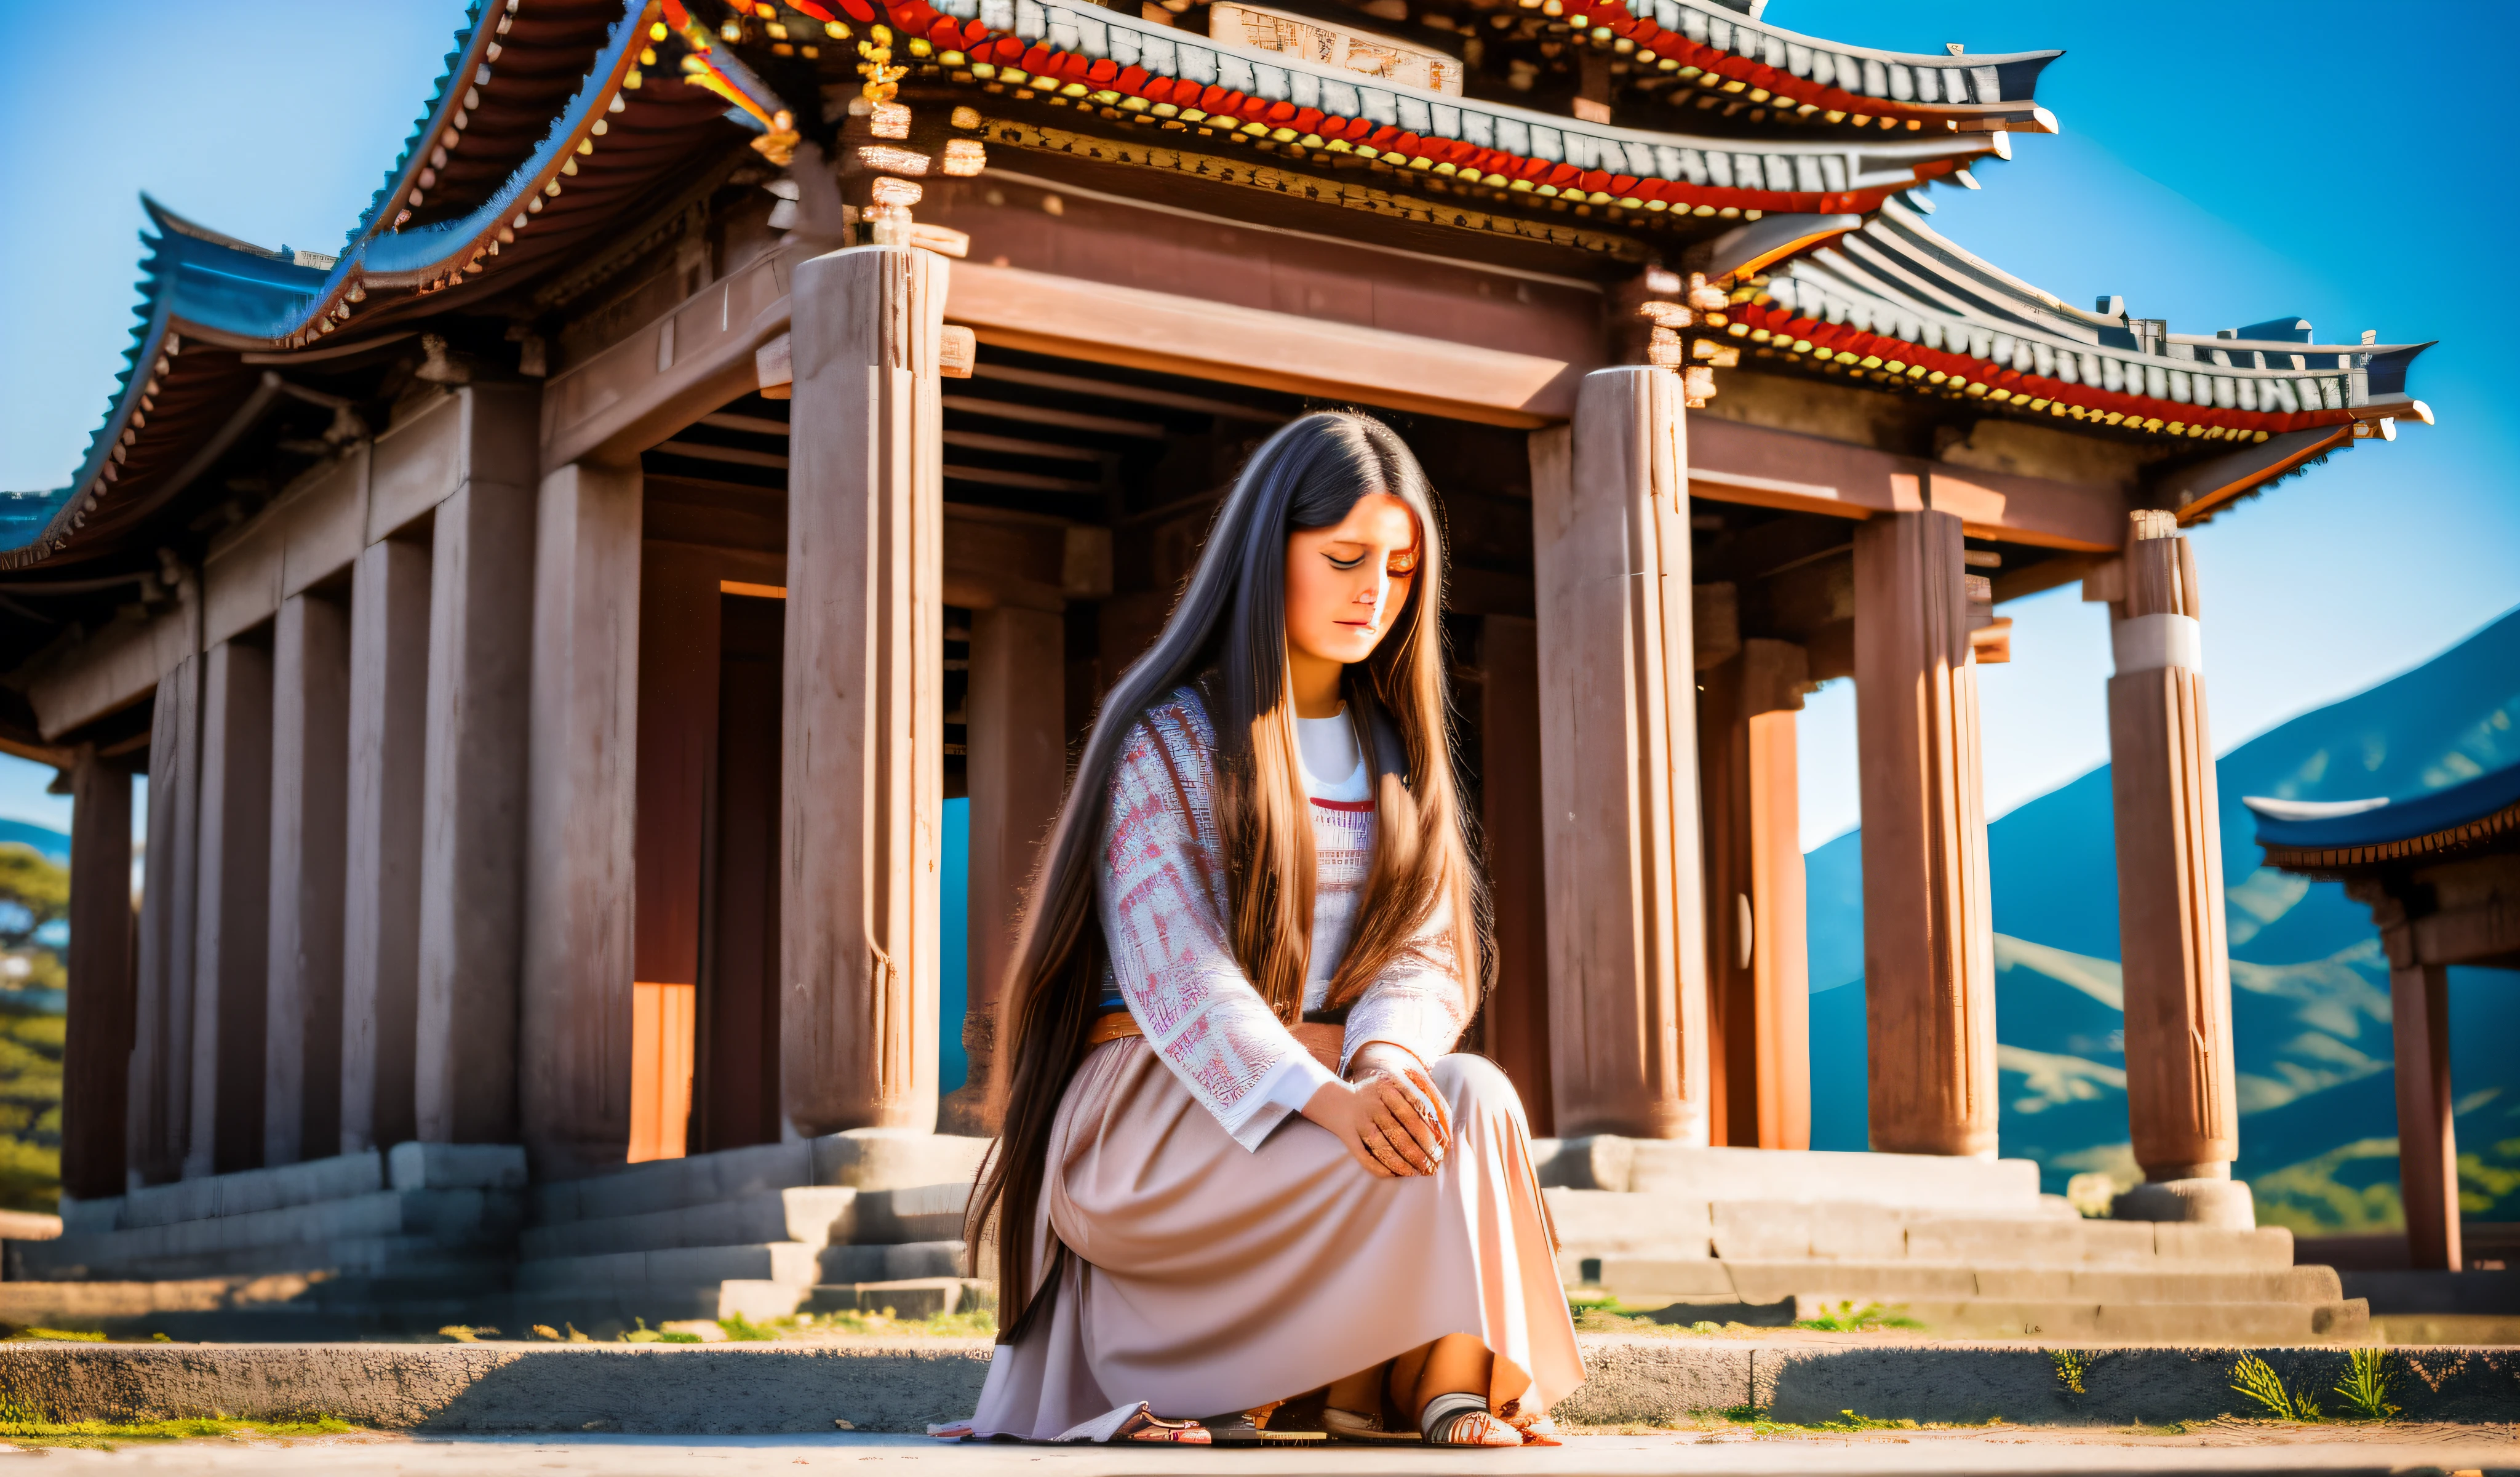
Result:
x=1162 y=897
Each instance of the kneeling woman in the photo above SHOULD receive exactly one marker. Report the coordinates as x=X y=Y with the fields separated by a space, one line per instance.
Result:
x=1239 y=1163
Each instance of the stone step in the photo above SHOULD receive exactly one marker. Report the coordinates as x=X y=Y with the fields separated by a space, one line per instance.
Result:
x=2345 y=1318
x=1921 y=1182
x=790 y=1263
x=1886 y=1280
x=313 y=1182
x=2069 y=1320
x=907 y=1261
x=1603 y=1224
x=862 y=1159
x=907 y=1298
x=342 y=1256
x=912 y=1213
x=815 y=1214
x=605 y=1311
x=443 y=1215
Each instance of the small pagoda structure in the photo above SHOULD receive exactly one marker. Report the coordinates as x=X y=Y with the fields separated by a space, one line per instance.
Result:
x=2440 y=873
x=552 y=623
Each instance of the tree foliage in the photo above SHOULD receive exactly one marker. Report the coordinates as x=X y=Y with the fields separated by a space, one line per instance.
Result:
x=33 y=892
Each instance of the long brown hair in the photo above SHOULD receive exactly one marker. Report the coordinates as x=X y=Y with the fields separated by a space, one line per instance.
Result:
x=1227 y=634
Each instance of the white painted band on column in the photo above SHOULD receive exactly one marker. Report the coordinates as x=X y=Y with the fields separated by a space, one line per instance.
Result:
x=2149 y=643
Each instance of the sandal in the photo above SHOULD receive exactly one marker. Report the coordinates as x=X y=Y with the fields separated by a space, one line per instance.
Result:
x=1351 y=1425
x=1250 y=1428
x=1146 y=1426
x=1462 y=1421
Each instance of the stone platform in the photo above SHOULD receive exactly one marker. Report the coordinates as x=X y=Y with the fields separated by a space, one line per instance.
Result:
x=1967 y=1248
x=402 y=1243
x=903 y=1385
x=367 y=1243
x=843 y=1222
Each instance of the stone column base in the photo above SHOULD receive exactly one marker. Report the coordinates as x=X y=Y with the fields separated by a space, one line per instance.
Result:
x=2223 y=1203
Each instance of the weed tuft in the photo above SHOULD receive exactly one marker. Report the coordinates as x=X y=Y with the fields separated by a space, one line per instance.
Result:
x=2365 y=1386
x=2071 y=1365
x=743 y=1330
x=2257 y=1379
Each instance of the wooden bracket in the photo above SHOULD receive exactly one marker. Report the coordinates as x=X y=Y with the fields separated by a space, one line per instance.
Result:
x=774 y=368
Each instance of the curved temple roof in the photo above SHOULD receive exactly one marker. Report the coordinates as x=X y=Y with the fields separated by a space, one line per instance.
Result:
x=542 y=127
x=1899 y=304
x=1983 y=92
x=533 y=86
x=2354 y=833
x=1114 y=59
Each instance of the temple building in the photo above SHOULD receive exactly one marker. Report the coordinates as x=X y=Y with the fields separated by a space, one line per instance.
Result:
x=551 y=625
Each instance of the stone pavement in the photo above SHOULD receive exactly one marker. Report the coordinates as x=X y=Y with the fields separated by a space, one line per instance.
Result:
x=2226 y=1452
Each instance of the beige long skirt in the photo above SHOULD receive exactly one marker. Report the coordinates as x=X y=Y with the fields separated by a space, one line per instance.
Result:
x=1205 y=1278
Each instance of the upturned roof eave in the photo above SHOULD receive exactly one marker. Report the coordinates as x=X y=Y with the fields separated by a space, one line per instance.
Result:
x=313 y=301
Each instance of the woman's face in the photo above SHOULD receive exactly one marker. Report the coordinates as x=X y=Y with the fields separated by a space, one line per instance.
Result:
x=1344 y=582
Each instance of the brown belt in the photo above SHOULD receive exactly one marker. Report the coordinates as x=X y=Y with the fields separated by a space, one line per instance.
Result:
x=1117 y=1026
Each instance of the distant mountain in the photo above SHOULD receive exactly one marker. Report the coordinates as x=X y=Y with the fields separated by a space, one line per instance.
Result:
x=2310 y=999
x=54 y=845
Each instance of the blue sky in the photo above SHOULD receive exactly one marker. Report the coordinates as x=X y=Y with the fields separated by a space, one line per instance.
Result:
x=2219 y=165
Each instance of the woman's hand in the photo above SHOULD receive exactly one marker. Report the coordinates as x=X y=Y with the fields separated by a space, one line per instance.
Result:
x=1391 y=1121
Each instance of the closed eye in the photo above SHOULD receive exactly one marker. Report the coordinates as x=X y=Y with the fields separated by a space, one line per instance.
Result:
x=1343 y=564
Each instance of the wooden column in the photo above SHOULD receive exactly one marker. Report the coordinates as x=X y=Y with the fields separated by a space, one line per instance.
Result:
x=233 y=929
x=1514 y=824
x=1017 y=767
x=95 y=1058
x=2180 y=1109
x=301 y=1068
x=862 y=771
x=1627 y=952
x=473 y=832
x=2427 y=1143
x=580 y=879
x=1928 y=938
x=386 y=726
x=1758 y=981
x=157 y=1128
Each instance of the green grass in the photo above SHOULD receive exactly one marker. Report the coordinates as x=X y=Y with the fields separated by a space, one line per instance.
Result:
x=23 y=1427
x=1759 y=1423
x=975 y=1323
x=1871 y=1317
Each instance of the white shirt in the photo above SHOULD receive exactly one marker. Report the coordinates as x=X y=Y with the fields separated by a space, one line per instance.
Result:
x=1327 y=748
x=1324 y=747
